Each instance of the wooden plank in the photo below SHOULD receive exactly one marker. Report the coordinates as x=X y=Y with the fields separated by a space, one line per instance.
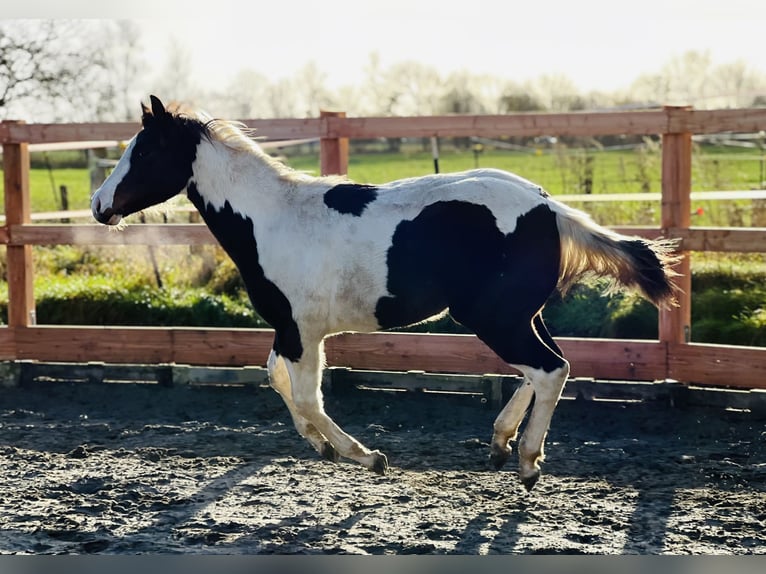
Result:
x=84 y=344
x=285 y=128
x=466 y=354
x=375 y=351
x=647 y=232
x=50 y=133
x=461 y=354
x=722 y=239
x=717 y=121
x=222 y=347
x=215 y=347
x=718 y=365
x=93 y=234
x=630 y=360
x=721 y=365
x=527 y=124
x=273 y=129
x=7 y=344
x=406 y=351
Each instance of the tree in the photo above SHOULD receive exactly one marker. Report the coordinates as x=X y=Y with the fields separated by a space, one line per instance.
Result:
x=315 y=95
x=377 y=96
x=407 y=88
x=558 y=92
x=174 y=81
x=517 y=100
x=736 y=83
x=685 y=79
x=281 y=99
x=460 y=95
x=42 y=65
x=246 y=96
x=120 y=68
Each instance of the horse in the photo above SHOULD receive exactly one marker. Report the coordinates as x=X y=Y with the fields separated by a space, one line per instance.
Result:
x=325 y=255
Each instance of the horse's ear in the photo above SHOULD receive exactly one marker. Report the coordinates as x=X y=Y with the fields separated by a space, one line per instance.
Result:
x=146 y=115
x=156 y=112
x=158 y=109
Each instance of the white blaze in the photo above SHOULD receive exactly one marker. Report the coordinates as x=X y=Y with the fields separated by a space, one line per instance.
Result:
x=104 y=196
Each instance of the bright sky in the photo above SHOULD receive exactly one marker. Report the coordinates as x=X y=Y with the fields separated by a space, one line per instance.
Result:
x=599 y=44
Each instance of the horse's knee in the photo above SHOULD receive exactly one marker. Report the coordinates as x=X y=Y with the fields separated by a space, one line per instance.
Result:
x=309 y=407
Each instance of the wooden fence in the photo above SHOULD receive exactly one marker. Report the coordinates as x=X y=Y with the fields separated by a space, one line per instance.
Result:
x=670 y=357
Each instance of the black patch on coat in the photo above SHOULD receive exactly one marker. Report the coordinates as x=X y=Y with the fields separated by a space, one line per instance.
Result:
x=160 y=163
x=453 y=255
x=236 y=235
x=350 y=198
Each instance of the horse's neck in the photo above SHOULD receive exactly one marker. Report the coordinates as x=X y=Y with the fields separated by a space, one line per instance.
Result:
x=247 y=180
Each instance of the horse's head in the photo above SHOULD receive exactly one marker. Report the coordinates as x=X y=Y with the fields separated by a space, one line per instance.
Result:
x=156 y=165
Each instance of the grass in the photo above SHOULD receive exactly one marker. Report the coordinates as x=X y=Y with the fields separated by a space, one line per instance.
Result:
x=45 y=186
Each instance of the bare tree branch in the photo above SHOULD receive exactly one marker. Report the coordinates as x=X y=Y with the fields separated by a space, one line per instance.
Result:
x=42 y=62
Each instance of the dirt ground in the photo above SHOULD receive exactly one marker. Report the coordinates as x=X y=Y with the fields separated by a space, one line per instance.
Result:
x=125 y=469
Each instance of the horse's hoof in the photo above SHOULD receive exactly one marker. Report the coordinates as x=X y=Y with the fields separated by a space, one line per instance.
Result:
x=328 y=452
x=498 y=456
x=529 y=480
x=380 y=463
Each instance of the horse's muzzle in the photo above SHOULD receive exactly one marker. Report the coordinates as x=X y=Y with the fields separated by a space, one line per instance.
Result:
x=108 y=216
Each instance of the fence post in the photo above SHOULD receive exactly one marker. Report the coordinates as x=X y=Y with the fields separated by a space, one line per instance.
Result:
x=333 y=151
x=21 y=302
x=675 y=323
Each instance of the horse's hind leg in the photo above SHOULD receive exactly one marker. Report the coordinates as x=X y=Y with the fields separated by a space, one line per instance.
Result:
x=548 y=385
x=507 y=423
x=527 y=346
x=279 y=379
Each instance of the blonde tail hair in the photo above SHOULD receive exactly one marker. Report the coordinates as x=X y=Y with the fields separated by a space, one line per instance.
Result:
x=631 y=263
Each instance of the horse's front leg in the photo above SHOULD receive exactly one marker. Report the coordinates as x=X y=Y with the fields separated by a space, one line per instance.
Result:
x=279 y=379
x=305 y=378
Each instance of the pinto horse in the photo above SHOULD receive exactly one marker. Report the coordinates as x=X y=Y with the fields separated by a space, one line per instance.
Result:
x=323 y=255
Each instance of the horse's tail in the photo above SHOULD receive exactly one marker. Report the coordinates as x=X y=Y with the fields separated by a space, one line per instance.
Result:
x=588 y=249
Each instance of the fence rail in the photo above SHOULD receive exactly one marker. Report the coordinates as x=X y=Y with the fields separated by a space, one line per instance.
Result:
x=672 y=356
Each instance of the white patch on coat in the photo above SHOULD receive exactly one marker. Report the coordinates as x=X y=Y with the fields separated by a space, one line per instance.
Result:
x=104 y=196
